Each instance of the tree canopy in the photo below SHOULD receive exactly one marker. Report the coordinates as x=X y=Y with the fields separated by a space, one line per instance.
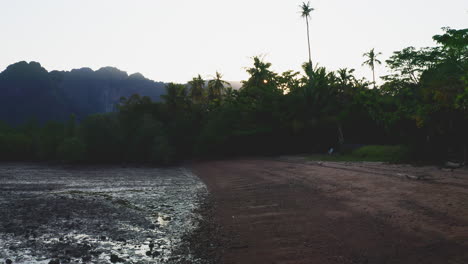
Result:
x=422 y=104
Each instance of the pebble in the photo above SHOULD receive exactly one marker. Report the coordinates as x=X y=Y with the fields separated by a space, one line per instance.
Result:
x=114 y=258
x=156 y=253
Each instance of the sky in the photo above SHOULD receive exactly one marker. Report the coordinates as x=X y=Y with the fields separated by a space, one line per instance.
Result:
x=173 y=41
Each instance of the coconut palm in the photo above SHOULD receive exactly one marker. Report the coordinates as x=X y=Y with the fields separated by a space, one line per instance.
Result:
x=305 y=13
x=371 y=57
x=197 y=86
x=260 y=74
x=345 y=76
x=175 y=96
x=217 y=86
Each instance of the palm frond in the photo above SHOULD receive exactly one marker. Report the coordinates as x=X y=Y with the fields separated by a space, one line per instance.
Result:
x=306 y=9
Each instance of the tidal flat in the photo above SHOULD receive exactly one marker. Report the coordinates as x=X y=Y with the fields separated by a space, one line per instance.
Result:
x=96 y=214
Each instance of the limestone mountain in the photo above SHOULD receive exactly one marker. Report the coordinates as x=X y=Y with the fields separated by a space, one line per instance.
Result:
x=27 y=90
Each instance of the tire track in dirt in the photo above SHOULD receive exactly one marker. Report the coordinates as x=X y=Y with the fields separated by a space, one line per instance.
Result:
x=271 y=211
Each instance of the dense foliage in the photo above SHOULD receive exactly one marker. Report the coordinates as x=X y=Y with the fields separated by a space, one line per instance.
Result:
x=422 y=106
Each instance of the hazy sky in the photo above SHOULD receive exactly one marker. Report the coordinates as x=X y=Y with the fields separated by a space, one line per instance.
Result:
x=175 y=40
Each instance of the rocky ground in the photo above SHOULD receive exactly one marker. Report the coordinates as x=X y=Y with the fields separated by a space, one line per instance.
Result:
x=291 y=210
x=57 y=214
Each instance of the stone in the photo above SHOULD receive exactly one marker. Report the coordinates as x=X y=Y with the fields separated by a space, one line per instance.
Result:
x=114 y=259
x=452 y=165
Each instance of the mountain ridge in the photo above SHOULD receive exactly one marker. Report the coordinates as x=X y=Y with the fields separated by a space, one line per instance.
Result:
x=28 y=90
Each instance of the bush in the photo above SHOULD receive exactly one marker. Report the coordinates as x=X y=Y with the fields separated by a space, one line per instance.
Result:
x=102 y=136
x=162 y=152
x=397 y=153
x=72 y=150
x=15 y=147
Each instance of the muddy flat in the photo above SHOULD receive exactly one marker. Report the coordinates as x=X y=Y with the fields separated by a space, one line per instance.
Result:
x=297 y=211
x=95 y=214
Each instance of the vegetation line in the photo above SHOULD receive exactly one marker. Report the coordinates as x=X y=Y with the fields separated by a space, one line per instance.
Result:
x=421 y=110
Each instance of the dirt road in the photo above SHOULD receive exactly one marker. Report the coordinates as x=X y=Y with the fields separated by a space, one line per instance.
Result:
x=294 y=211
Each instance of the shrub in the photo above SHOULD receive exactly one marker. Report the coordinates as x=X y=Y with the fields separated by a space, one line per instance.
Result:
x=397 y=153
x=15 y=147
x=72 y=150
x=162 y=152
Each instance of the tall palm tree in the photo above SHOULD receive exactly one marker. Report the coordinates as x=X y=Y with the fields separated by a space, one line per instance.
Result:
x=197 y=86
x=371 y=57
x=217 y=86
x=305 y=13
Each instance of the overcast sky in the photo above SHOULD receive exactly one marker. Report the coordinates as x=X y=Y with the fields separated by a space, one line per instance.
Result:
x=170 y=40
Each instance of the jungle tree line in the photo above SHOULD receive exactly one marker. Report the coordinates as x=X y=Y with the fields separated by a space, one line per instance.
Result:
x=422 y=104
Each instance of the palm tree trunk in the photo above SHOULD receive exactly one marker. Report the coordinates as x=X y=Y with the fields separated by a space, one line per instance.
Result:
x=310 y=56
x=373 y=76
x=308 y=41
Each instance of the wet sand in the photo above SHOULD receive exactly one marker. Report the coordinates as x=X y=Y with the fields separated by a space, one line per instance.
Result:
x=96 y=214
x=290 y=210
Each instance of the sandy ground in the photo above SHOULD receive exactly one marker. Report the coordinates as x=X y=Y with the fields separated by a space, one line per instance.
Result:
x=290 y=210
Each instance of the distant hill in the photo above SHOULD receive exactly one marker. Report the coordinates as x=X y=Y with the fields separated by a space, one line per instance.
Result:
x=236 y=85
x=27 y=90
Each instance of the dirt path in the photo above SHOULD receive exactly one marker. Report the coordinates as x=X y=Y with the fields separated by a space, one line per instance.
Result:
x=292 y=211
